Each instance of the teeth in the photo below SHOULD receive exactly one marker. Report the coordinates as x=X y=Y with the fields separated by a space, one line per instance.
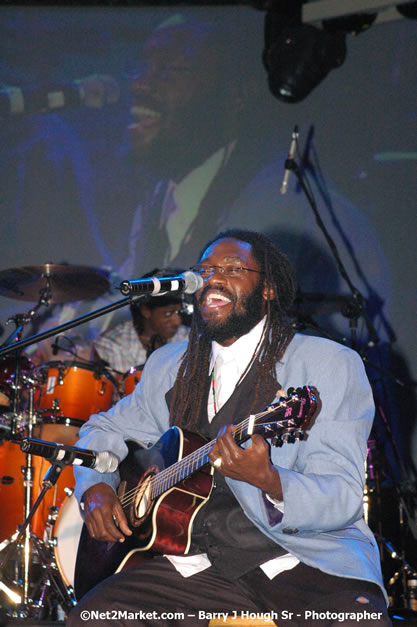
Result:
x=217 y=296
x=144 y=111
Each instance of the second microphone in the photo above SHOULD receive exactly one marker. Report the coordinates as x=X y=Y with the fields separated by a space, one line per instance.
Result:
x=187 y=283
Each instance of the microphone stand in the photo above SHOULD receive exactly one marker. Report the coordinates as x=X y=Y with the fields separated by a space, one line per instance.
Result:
x=68 y=325
x=354 y=310
x=65 y=594
x=22 y=319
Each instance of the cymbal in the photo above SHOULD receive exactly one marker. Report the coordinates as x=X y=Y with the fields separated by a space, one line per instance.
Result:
x=63 y=283
x=315 y=303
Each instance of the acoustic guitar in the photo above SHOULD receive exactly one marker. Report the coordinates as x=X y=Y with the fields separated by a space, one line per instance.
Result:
x=162 y=488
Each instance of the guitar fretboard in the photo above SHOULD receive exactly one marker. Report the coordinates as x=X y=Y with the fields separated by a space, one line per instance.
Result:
x=180 y=470
x=294 y=410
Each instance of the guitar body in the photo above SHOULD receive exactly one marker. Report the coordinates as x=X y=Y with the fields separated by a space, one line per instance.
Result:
x=159 y=525
x=163 y=524
x=98 y=560
x=162 y=488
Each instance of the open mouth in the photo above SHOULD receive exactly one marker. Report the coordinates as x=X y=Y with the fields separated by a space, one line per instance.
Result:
x=144 y=115
x=214 y=300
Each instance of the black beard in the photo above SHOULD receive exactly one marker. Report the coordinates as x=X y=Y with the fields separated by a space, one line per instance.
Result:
x=237 y=324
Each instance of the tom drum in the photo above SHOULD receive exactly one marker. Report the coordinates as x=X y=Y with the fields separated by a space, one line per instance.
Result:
x=130 y=379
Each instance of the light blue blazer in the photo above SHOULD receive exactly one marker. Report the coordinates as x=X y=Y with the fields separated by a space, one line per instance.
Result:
x=322 y=476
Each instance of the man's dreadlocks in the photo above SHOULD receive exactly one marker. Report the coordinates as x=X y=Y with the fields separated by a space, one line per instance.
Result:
x=191 y=382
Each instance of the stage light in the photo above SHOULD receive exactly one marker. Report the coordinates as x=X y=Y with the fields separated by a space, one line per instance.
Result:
x=354 y=24
x=408 y=10
x=298 y=56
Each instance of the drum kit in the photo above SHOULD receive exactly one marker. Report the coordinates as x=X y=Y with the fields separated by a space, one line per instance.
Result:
x=40 y=521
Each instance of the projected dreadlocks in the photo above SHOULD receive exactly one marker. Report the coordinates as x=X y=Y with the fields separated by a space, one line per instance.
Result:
x=278 y=276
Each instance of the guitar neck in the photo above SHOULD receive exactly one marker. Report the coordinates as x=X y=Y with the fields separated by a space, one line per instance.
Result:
x=295 y=412
x=185 y=467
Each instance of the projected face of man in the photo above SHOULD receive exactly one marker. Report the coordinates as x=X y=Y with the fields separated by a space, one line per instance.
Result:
x=179 y=112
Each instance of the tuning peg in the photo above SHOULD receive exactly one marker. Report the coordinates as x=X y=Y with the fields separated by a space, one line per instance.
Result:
x=272 y=407
x=277 y=441
x=288 y=437
x=290 y=392
x=299 y=434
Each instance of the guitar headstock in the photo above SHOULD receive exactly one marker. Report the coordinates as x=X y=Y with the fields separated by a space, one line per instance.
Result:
x=285 y=420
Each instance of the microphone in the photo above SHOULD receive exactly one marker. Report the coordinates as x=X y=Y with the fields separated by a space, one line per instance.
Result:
x=94 y=91
x=288 y=161
x=188 y=282
x=102 y=461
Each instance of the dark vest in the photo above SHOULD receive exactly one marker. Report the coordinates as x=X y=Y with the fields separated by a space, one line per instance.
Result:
x=232 y=542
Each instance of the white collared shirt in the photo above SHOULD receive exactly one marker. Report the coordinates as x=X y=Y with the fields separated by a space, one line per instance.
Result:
x=235 y=359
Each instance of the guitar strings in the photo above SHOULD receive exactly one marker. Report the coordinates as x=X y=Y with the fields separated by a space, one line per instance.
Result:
x=159 y=480
x=174 y=468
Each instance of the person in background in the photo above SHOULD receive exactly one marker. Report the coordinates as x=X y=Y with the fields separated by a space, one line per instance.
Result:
x=154 y=322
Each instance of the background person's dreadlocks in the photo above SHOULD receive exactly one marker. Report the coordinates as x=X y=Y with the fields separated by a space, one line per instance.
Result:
x=278 y=275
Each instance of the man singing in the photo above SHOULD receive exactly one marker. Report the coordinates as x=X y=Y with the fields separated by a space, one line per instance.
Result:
x=282 y=532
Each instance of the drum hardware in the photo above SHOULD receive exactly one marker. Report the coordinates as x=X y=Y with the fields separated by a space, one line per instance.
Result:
x=58 y=284
x=29 y=576
x=70 y=391
x=62 y=409
x=60 y=379
x=406 y=576
x=54 y=417
x=6 y=480
x=401 y=586
x=14 y=573
x=10 y=418
x=24 y=548
x=64 y=395
x=24 y=552
x=315 y=303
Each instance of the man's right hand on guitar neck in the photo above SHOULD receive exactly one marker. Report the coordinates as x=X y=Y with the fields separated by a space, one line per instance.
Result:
x=104 y=515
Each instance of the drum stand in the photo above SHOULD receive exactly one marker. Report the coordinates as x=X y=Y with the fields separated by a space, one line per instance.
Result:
x=50 y=589
x=402 y=585
x=48 y=282
x=24 y=545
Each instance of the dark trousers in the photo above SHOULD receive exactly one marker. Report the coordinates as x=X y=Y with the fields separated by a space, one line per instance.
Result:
x=161 y=597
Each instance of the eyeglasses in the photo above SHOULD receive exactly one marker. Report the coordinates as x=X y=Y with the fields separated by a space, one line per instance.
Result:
x=229 y=270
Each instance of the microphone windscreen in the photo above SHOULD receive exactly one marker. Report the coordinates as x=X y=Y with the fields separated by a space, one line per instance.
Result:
x=193 y=282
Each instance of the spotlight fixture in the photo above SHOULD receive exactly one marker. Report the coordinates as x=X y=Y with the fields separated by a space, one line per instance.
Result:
x=408 y=10
x=298 y=56
x=354 y=24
